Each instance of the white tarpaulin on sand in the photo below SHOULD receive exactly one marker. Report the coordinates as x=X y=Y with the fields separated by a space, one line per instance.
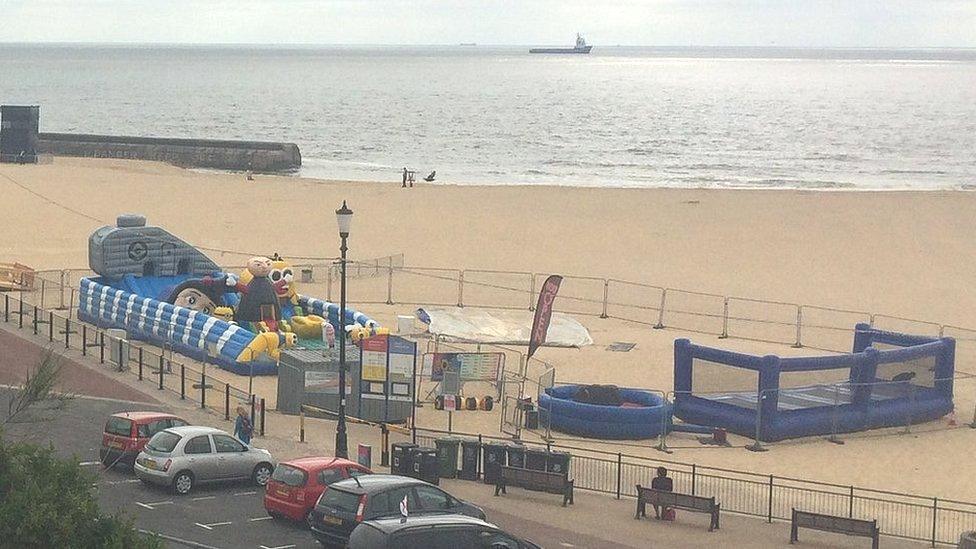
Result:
x=501 y=327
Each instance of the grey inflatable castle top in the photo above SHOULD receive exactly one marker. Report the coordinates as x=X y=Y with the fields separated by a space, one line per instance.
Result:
x=133 y=248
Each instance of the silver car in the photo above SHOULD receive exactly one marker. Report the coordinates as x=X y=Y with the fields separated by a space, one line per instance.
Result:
x=181 y=457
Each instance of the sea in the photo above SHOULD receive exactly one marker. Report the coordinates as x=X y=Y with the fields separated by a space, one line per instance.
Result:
x=620 y=117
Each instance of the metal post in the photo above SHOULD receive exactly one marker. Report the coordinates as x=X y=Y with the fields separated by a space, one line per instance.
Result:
x=450 y=420
x=84 y=340
x=799 y=323
x=101 y=347
x=694 y=478
x=935 y=512
x=71 y=299
x=836 y=412
x=620 y=459
x=757 y=445
x=662 y=438
x=389 y=286
x=34 y=320
x=43 y=287
x=6 y=308
x=301 y=424
x=384 y=445
x=606 y=296
x=140 y=363
x=460 y=288
x=531 y=291
x=769 y=516
x=61 y=292
x=161 y=372
x=50 y=326
x=341 y=445
x=203 y=389
x=262 y=417
x=850 y=510
x=660 y=314
x=725 y=320
x=67 y=332
x=182 y=382
x=123 y=361
x=226 y=401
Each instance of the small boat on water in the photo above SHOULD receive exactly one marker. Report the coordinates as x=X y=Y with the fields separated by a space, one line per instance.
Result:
x=581 y=47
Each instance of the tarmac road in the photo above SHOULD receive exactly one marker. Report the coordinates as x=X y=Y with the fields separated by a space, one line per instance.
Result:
x=220 y=515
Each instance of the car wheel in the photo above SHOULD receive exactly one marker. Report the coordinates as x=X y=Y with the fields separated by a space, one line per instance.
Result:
x=261 y=475
x=183 y=483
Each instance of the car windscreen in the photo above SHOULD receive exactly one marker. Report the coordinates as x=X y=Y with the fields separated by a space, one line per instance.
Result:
x=334 y=498
x=118 y=426
x=163 y=442
x=286 y=474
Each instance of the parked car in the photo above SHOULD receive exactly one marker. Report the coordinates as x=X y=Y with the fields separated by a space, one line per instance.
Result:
x=433 y=532
x=182 y=457
x=126 y=434
x=345 y=504
x=296 y=484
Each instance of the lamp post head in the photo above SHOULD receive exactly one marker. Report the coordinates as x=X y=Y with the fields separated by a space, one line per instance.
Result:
x=344 y=217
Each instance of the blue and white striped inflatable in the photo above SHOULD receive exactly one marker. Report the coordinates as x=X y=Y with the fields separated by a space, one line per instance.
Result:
x=194 y=334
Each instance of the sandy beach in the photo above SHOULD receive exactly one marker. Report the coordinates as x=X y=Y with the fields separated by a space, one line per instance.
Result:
x=907 y=254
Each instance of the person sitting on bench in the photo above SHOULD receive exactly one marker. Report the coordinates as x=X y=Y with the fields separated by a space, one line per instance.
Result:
x=430 y=176
x=663 y=483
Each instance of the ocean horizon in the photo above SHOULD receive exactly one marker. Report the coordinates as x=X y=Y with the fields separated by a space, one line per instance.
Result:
x=687 y=117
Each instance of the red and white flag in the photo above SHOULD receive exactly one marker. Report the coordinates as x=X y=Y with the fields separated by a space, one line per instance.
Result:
x=543 y=313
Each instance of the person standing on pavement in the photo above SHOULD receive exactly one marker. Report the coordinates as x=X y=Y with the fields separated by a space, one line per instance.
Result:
x=243 y=427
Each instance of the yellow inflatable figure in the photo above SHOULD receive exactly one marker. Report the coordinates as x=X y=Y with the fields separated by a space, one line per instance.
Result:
x=267 y=342
x=293 y=316
x=357 y=333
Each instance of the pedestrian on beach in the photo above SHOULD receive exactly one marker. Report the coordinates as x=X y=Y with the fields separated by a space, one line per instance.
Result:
x=664 y=483
x=404 y=186
x=243 y=427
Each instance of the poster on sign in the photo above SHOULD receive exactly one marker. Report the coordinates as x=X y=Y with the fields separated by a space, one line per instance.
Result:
x=468 y=366
x=374 y=358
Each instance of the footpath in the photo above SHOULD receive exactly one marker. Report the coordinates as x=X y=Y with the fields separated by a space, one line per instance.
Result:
x=595 y=520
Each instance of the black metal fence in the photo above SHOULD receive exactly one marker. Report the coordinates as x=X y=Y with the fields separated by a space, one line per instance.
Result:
x=770 y=497
x=150 y=364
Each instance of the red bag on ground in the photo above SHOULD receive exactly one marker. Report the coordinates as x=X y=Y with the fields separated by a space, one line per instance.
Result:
x=668 y=515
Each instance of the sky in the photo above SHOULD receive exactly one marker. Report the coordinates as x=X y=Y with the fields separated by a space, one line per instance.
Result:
x=785 y=23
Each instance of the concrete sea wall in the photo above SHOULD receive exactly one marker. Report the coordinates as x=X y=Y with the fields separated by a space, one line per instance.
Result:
x=259 y=156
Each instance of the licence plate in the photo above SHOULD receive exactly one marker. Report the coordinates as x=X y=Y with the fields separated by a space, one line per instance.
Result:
x=282 y=493
x=148 y=464
x=118 y=445
x=332 y=520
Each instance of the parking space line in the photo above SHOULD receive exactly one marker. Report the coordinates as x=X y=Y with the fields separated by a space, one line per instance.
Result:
x=259 y=518
x=278 y=547
x=167 y=502
x=565 y=544
x=124 y=481
x=212 y=524
x=89 y=463
x=251 y=493
x=201 y=498
x=152 y=506
x=146 y=505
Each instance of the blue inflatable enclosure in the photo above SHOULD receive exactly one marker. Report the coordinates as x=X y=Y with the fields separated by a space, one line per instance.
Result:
x=605 y=422
x=139 y=266
x=890 y=379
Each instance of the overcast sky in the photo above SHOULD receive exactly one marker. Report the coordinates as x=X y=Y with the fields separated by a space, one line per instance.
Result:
x=817 y=23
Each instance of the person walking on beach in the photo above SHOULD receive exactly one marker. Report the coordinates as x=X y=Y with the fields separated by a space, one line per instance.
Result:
x=404 y=186
x=664 y=483
x=243 y=427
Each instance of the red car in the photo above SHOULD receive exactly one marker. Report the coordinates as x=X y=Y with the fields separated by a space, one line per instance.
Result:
x=296 y=484
x=126 y=434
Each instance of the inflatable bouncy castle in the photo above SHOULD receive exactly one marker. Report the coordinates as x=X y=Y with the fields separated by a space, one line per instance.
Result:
x=160 y=289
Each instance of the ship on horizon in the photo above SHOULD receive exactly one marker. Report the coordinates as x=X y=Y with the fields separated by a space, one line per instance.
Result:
x=581 y=47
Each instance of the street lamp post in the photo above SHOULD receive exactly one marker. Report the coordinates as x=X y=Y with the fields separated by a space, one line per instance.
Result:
x=344 y=217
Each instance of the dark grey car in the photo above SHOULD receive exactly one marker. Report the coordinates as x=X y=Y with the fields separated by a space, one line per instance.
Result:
x=345 y=504
x=433 y=532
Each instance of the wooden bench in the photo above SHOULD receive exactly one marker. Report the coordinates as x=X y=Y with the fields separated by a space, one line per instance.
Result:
x=540 y=481
x=688 y=502
x=838 y=525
